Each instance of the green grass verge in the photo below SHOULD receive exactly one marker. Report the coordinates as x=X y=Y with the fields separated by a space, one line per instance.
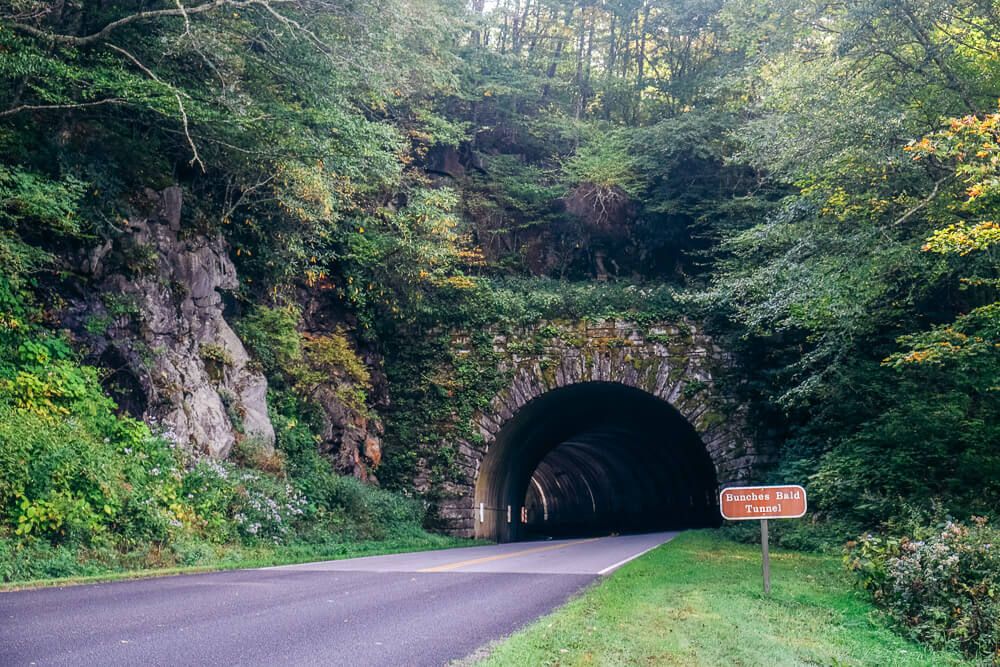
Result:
x=698 y=601
x=228 y=557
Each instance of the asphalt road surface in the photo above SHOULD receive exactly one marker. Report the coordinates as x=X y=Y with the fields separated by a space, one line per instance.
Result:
x=422 y=608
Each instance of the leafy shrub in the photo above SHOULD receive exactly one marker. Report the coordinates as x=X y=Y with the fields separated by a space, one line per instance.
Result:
x=239 y=504
x=266 y=507
x=941 y=584
x=341 y=507
x=253 y=453
x=333 y=353
x=39 y=559
x=523 y=302
x=371 y=512
x=513 y=188
x=928 y=445
x=217 y=354
x=71 y=471
x=86 y=491
x=272 y=335
x=824 y=535
x=301 y=360
x=606 y=161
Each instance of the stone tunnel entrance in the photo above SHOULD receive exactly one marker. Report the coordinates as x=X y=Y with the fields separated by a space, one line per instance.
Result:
x=594 y=458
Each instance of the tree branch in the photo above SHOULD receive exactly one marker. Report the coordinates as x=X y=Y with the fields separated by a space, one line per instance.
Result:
x=47 y=107
x=103 y=33
x=924 y=202
x=195 y=159
x=187 y=19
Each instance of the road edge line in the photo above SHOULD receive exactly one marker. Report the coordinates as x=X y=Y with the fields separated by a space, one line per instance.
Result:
x=611 y=568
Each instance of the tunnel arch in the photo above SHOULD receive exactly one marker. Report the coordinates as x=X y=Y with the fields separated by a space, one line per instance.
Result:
x=657 y=366
x=594 y=458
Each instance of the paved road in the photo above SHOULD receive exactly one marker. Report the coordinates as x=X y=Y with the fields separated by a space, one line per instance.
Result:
x=407 y=609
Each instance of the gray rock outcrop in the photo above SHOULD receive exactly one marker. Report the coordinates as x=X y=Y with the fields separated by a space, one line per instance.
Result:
x=151 y=312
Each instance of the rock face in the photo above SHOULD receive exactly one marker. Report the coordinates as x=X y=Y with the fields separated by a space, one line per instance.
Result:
x=445 y=160
x=351 y=432
x=152 y=313
x=351 y=435
x=605 y=214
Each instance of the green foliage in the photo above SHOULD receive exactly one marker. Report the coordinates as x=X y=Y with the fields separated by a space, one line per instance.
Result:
x=89 y=480
x=304 y=362
x=74 y=473
x=28 y=197
x=940 y=583
x=241 y=504
x=441 y=130
x=606 y=161
x=337 y=505
x=519 y=187
x=561 y=97
x=330 y=355
x=512 y=189
x=272 y=335
x=20 y=561
x=405 y=255
x=966 y=350
x=83 y=489
x=931 y=445
x=31 y=202
x=215 y=354
x=251 y=452
x=518 y=301
x=288 y=144
x=862 y=292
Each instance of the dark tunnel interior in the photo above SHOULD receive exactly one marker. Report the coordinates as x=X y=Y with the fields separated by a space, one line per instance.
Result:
x=594 y=459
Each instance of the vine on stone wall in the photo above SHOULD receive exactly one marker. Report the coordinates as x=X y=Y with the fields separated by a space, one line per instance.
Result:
x=445 y=368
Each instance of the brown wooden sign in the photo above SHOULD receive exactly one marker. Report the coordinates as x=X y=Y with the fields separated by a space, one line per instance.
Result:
x=744 y=503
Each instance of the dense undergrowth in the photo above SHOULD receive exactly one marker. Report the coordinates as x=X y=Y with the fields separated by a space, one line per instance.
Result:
x=939 y=583
x=85 y=491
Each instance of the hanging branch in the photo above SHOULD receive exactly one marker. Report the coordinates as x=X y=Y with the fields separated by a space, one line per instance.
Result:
x=195 y=159
x=187 y=19
x=185 y=12
x=103 y=33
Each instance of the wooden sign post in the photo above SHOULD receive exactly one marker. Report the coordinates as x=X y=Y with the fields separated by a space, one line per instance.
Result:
x=747 y=503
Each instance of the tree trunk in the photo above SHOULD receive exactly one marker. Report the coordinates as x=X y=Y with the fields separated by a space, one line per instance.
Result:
x=609 y=65
x=640 y=81
x=477 y=9
x=554 y=63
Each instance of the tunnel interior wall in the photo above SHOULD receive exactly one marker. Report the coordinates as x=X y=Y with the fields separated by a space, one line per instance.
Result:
x=595 y=458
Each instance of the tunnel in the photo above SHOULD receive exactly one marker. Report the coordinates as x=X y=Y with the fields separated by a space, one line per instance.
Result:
x=592 y=459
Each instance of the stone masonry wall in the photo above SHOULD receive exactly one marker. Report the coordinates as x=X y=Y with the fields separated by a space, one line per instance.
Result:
x=674 y=361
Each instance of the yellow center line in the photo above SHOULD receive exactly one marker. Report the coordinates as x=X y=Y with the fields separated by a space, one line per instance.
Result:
x=514 y=554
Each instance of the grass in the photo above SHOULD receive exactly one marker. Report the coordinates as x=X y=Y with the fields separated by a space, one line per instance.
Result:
x=698 y=601
x=228 y=557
